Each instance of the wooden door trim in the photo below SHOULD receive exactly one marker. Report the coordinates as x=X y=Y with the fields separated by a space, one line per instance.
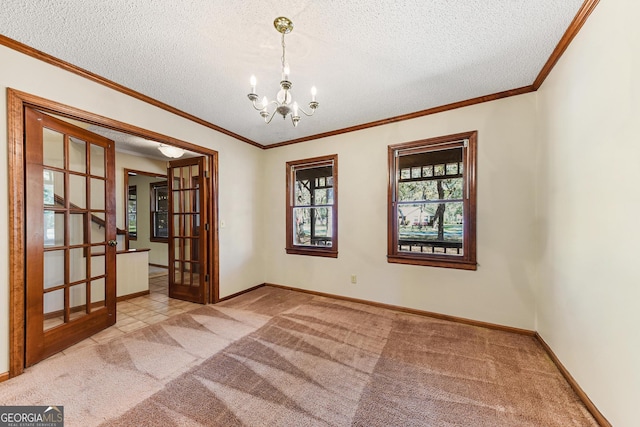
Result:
x=16 y=102
x=17 y=280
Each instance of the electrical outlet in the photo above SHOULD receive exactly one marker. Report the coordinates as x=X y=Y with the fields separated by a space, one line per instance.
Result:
x=354 y=279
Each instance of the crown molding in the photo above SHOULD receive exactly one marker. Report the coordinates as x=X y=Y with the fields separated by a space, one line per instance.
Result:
x=567 y=38
x=434 y=110
x=49 y=59
x=578 y=21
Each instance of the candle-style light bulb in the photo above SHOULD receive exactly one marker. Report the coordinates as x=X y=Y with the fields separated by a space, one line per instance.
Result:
x=295 y=108
x=285 y=72
x=253 y=82
x=264 y=102
x=314 y=91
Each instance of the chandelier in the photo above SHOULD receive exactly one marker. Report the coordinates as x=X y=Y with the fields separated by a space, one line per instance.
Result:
x=282 y=103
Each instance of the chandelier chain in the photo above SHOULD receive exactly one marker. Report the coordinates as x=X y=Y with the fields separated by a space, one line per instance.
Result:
x=282 y=58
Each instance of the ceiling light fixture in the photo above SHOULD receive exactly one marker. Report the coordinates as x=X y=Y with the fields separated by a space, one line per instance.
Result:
x=171 y=151
x=282 y=103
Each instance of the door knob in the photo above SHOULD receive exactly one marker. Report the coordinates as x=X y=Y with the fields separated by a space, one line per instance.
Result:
x=112 y=243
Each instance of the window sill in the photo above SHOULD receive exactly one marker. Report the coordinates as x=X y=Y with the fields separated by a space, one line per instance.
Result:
x=313 y=252
x=159 y=240
x=431 y=262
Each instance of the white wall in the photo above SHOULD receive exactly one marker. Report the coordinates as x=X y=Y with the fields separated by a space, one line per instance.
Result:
x=589 y=295
x=241 y=259
x=500 y=291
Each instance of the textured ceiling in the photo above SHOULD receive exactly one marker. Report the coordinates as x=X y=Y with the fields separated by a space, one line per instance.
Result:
x=369 y=60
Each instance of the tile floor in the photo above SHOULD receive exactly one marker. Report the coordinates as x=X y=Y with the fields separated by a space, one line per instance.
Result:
x=139 y=312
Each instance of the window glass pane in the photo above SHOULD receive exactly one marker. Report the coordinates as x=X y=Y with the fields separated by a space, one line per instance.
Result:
x=77 y=301
x=97 y=160
x=302 y=193
x=424 y=225
x=445 y=189
x=132 y=211
x=52 y=148
x=53 y=183
x=53 y=228
x=323 y=196
x=53 y=308
x=182 y=248
x=98 y=250
x=452 y=168
x=97 y=230
x=312 y=226
x=98 y=294
x=405 y=174
x=53 y=268
x=76 y=229
x=161 y=225
x=416 y=172
x=302 y=226
x=77 y=265
x=427 y=171
x=77 y=155
x=438 y=170
x=133 y=224
x=194 y=173
x=162 y=198
x=78 y=192
x=187 y=201
x=98 y=266
x=97 y=194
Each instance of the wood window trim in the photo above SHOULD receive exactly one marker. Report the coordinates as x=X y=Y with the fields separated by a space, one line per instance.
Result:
x=329 y=252
x=468 y=260
x=152 y=210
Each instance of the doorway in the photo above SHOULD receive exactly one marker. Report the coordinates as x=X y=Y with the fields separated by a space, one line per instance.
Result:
x=168 y=215
x=18 y=102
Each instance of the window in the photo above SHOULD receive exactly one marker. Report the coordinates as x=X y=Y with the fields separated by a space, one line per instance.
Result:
x=432 y=202
x=312 y=206
x=159 y=212
x=132 y=212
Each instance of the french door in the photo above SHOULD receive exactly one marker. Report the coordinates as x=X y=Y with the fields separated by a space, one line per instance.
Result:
x=188 y=229
x=70 y=235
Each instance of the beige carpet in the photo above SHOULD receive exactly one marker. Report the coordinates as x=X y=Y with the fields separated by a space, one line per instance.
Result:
x=280 y=358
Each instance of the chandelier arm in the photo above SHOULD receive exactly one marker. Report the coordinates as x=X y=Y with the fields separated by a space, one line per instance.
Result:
x=267 y=121
x=255 y=106
x=313 y=110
